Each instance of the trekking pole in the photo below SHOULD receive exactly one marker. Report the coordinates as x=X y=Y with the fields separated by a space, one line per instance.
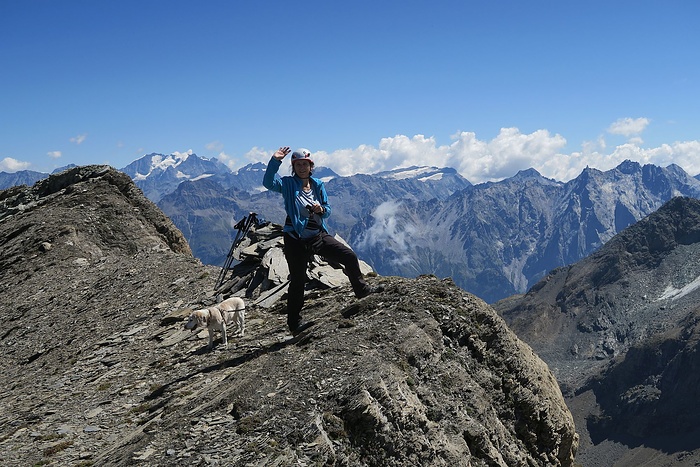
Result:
x=243 y=226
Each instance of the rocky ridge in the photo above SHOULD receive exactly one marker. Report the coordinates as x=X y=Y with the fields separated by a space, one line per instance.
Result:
x=98 y=370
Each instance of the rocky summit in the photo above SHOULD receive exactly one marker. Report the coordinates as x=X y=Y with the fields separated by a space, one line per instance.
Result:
x=97 y=368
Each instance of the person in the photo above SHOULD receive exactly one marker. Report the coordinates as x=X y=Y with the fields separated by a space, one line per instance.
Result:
x=305 y=231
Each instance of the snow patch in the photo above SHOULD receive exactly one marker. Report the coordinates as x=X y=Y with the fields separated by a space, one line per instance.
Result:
x=162 y=163
x=158 y=161
x=202 y=176
x=413 y=172
x=674 y=294
x=433 y=177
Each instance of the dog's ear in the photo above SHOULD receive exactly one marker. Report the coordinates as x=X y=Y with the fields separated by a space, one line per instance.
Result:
x=201 y=317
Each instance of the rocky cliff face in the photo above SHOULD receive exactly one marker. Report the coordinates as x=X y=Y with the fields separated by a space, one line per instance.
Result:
x=649 y=393
x=619 y=330
x=84 y=196
x=98 y=370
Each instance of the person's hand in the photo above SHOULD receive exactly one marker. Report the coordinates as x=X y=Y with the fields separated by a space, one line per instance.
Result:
x=281 y=153
x=317 y=208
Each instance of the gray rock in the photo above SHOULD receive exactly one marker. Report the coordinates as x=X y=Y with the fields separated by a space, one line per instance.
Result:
x=420 y=374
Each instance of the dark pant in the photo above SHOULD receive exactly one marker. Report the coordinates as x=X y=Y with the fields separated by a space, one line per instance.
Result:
x=299 y=252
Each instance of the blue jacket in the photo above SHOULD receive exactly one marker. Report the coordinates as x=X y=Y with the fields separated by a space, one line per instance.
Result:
x=290 y=186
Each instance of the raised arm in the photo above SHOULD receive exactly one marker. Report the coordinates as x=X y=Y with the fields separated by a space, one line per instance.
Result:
x=271 y=179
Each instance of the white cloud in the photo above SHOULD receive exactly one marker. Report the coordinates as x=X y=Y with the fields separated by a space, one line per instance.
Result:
x=54 y=154
x=387 y=231
x=567 y=166
x=503 y=156
x=254 y=155
x=258 y=155
x=628 y=126
x=79 y=139
x=10 y=164
x=214 y=146
x=231 y=161
x=476 y=160
x=506 y=154
x=228 y=160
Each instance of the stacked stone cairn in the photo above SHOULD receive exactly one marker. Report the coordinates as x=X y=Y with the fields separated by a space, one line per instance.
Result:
x=261 y=273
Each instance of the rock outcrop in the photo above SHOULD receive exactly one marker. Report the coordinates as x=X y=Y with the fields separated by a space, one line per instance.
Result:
x=98 y=370
x=136 y=223
x=259 y=270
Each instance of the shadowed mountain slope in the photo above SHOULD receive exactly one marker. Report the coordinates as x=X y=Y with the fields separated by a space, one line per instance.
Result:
x=619 y=330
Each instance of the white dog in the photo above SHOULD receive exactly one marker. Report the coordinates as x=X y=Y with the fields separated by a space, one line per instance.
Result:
x=233 y=311
x=216 y=318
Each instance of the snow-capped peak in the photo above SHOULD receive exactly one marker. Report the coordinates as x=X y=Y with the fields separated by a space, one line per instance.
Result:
x=161 y=162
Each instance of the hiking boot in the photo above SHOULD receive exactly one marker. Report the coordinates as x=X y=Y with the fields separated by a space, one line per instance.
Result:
x=293 y=321
x=301 y=327
x=370 y=290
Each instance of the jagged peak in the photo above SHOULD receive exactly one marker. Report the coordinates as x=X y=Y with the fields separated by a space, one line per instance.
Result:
x=533 y=174
x=629 y=167
x=587 y=171
x=528 y=173
x=677 y=170
x=254 y=167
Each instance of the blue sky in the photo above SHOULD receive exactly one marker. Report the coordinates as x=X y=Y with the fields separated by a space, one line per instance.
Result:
x=487 y=87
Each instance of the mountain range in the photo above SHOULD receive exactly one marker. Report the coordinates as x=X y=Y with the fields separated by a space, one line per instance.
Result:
x=494 y=239
x=497 y=239
x=620 y=330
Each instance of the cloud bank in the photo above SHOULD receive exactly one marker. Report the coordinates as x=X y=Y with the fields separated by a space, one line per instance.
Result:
x=10 y=164
x=506 y=154
x=479 y=160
